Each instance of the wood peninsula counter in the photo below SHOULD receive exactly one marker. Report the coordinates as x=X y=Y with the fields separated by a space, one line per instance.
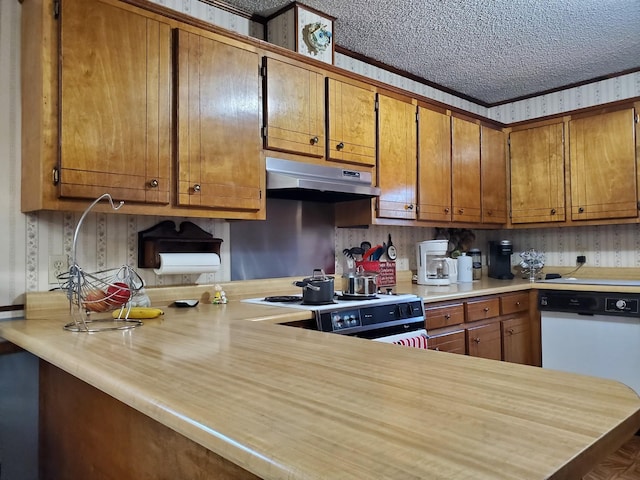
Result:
x=204 y=393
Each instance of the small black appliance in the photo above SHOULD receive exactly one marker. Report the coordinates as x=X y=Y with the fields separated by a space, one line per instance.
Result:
x=499 y=260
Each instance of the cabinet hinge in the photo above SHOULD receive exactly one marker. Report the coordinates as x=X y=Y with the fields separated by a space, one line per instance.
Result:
x=638 y=205
x=264 y=132
x=509 y=140
x=418 y=117
x=637 y=118
x=376 y=105
x=56 y=9
x=55 y=176
x=262 y=71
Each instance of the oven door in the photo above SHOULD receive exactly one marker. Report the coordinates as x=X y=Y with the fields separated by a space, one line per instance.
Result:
x=415 y=338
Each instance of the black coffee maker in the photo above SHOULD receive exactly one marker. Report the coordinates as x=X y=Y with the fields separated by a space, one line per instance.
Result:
x=499 y=260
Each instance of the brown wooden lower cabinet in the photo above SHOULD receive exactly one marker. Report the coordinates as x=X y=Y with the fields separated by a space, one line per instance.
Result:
x=452 y=342
x=87 y=434
x=485 y=341
x=500 y=327
x=516 y=340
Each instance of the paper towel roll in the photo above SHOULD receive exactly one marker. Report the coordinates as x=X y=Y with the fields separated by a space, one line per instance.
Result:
x=186 y=263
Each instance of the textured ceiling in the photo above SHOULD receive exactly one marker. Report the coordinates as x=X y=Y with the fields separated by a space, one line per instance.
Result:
x=489 y=51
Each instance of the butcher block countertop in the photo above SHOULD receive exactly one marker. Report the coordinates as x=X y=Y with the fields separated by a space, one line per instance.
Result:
x=287 y=403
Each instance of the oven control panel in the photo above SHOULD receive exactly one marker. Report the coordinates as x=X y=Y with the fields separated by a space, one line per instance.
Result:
x=357 y=319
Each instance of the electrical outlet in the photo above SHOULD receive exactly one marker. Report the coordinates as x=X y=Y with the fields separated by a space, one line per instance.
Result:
x=581 y=259
x=57 y=264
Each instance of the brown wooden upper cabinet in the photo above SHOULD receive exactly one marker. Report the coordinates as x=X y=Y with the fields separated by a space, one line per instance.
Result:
x=397 y=158
x=493 y=163
x=537 y=174
x=218 y=96
x=294 y=116
x=603 y=166
x=351 y=123
x=434 y=165
x=465 y=165
x=115 y=104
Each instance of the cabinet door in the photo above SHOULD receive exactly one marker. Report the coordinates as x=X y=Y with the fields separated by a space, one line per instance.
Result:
x=397 y=158
x=493 y=163
x=603 y=166
x=448 y=342
x=484 y=341
x=537 y=174
x=516 y=340
x=294 y=109
x=434 y=165
x=351 y=120
x=219 y=163
x=465 y=165
x=115 y=104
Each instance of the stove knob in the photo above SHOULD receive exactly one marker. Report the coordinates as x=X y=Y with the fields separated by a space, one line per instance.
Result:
x=621 y=304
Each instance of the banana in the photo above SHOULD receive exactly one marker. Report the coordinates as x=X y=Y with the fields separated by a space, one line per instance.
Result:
x=138 y=312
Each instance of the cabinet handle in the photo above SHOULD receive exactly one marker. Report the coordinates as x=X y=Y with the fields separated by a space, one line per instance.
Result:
x=446 y=210
x=510 y=331
x=489 y=213
x=517 y=304
x=486 y=309
x=477 y=340
x=553 y=211
x=196 y=188
x=340 y=146
x=461 y=211
x=447 y=316
x=154 y=183
x=314 y=140
x=409 y=207
x=580 y=210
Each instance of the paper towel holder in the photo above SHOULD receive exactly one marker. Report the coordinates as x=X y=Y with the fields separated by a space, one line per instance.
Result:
x=165 y=238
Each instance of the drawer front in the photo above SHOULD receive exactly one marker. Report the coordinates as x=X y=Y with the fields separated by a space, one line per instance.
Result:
x=514 y=303
x=449 y=342
x=443 y=316
x=482 y=309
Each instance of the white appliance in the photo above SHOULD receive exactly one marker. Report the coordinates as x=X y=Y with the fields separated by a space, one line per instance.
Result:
x=592 y=333
x=434 y=267
x=383 y=317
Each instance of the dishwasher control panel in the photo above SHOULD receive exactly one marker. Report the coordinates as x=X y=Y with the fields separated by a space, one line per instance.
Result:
x=620 y=305
x=590 y=303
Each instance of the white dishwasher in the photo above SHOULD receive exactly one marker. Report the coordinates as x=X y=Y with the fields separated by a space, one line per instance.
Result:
x=592 y=333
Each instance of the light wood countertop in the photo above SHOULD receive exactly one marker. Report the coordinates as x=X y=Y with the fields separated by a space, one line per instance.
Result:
x=284 y=402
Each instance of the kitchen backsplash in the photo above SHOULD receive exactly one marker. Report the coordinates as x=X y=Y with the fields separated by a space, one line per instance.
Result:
x=110 y=240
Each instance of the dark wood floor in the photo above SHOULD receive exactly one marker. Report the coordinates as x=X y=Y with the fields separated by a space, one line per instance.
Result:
x=623 y=464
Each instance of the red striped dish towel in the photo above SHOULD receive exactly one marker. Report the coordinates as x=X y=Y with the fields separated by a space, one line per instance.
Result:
x=419 y=341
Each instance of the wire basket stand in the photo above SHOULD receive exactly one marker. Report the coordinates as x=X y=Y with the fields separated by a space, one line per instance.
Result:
x=103 y=291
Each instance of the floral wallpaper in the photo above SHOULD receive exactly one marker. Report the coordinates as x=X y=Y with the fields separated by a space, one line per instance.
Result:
x=111 y=240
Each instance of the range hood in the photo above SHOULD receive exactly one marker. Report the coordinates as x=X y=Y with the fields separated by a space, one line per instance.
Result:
x=319 y=183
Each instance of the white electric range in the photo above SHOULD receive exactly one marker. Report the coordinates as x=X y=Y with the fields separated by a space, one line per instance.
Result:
x=383 y=317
